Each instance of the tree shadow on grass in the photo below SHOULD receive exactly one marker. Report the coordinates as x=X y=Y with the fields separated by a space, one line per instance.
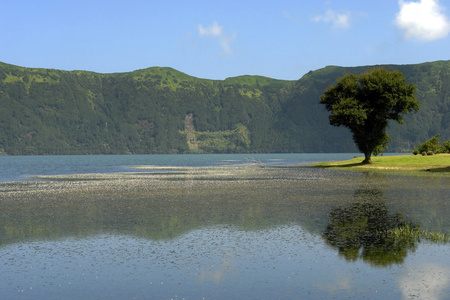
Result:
x=439 y=170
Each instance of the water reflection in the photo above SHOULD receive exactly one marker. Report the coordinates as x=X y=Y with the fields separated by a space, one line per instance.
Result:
x=358 y=230
x=151 y=236
x=425 y=281
x=155 y=207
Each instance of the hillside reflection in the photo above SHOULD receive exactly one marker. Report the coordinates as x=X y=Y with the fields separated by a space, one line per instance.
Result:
x=357 y=230
x=164 y=206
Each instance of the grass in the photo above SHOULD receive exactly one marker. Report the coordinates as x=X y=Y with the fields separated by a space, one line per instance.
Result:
x=406 y=232
x=432 y=163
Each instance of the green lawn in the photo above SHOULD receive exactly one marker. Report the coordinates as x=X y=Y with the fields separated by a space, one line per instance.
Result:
x=432 y=163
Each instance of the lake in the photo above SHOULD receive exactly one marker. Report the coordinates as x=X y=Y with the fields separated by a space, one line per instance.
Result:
x=217 y=227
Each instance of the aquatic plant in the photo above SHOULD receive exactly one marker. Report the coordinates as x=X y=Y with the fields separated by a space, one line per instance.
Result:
x=256 y=162
x=416 y=234
x=360 y=230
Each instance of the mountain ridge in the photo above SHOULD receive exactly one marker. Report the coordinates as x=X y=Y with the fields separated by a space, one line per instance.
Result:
x=50 y=111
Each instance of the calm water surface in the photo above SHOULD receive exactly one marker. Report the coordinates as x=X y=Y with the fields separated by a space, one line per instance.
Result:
x=22 y=167
x=243 y=232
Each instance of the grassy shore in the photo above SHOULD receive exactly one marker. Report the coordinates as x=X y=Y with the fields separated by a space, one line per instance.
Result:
x=432 y=163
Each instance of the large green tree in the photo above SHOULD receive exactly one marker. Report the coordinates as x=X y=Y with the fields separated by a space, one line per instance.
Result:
x=366 y=103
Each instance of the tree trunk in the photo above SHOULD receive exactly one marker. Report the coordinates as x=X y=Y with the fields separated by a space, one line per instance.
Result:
x=367 y=159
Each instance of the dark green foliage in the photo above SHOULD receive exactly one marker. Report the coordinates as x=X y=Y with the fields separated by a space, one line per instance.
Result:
x=57 y=112
x=432 y=146
x=446 y=147
x=45 y=111
x=365 y=103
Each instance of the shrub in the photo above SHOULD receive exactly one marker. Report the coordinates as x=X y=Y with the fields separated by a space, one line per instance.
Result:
x=430 y=153
x=430 y=145
x=445 y=147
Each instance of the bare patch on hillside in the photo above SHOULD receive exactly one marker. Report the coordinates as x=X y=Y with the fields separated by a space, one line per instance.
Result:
x=190 y=132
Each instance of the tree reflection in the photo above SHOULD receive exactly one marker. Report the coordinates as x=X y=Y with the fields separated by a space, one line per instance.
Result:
x=359 y=230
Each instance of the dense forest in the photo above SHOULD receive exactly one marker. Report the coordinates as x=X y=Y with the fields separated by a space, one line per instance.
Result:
x=161 y=110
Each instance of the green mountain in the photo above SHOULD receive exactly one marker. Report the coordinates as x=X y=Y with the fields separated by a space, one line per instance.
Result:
x=161 y=110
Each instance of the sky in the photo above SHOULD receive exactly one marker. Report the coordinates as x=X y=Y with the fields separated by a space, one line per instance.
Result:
x=281 y=39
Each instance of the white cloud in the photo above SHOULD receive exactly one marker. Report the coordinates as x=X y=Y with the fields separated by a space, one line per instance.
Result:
x=423 y=20
x=338 y=20
x=216 y=31
x=213 y=30
x=225 y=41
x=425 y=282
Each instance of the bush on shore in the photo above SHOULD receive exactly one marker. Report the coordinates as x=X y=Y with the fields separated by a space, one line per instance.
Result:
x=432 y=146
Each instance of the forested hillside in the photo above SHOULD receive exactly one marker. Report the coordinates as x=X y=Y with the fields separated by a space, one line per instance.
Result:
x=46 y=111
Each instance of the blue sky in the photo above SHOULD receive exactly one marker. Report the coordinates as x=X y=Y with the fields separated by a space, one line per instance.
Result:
x=219 y=39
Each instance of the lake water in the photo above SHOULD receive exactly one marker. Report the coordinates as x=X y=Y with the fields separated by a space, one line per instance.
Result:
x=216 y=227
x=22 y=167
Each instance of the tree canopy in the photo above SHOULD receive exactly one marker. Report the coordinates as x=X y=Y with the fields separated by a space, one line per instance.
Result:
x=366 y=103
